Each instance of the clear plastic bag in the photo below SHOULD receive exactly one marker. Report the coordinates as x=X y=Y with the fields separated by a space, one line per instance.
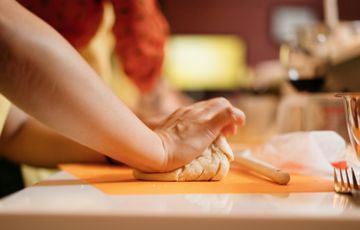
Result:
x=308 y=153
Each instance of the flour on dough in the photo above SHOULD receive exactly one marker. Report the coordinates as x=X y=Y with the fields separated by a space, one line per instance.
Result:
x=212 y=165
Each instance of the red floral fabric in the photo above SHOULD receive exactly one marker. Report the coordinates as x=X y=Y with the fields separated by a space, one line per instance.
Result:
x=140 y=30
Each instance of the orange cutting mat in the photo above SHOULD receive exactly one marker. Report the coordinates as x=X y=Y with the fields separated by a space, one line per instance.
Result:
x=117 y=180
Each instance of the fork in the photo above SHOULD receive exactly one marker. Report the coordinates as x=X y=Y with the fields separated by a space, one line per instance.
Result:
x=343 y=184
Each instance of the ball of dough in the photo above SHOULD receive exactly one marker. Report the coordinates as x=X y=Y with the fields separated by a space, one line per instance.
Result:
x=212 y=165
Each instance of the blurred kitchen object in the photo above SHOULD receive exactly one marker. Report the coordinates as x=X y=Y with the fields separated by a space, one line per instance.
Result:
x=268 y=75
x=308 y=112
x=352 y=108
x=324 y=57
x=306 y=58
x=331 y=12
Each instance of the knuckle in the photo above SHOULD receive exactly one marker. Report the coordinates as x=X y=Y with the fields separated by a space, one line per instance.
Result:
x=182 y=110
x=222 y=101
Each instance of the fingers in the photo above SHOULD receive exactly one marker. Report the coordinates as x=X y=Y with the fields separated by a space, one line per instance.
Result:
x=238 y=116
x=229 y=130
x=220 y=105
x=221 y=116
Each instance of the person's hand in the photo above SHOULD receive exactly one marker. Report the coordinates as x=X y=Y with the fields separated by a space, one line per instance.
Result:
x=187 y=132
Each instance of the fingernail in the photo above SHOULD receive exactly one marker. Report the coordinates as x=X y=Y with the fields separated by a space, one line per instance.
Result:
x=238 y=115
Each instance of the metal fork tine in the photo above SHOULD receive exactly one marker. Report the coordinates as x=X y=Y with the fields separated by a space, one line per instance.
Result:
x=348 y=187
x=343 y=185
x=335 y=177
x=355 y=183
x=336 y=182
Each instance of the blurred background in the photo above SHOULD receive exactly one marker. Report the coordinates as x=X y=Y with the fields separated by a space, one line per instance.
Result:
x=281 y=61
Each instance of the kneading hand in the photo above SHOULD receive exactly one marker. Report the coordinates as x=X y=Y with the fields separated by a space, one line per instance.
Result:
x=187 y=132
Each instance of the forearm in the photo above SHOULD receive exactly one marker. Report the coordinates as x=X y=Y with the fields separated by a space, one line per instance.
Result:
x=44 y=75
x=27 y=141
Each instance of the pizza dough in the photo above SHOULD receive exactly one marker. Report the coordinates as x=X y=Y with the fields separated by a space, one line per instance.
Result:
x=212 y=165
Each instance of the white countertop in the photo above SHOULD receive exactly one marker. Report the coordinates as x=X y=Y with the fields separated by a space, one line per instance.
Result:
x=78 y=206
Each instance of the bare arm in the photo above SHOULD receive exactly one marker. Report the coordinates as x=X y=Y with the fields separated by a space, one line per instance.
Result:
x=25 y=140
x=44 y=76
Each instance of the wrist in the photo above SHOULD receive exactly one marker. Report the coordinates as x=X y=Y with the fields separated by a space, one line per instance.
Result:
x=165 y=154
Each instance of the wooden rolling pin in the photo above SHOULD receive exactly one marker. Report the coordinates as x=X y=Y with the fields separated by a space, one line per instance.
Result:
x=246 y=160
